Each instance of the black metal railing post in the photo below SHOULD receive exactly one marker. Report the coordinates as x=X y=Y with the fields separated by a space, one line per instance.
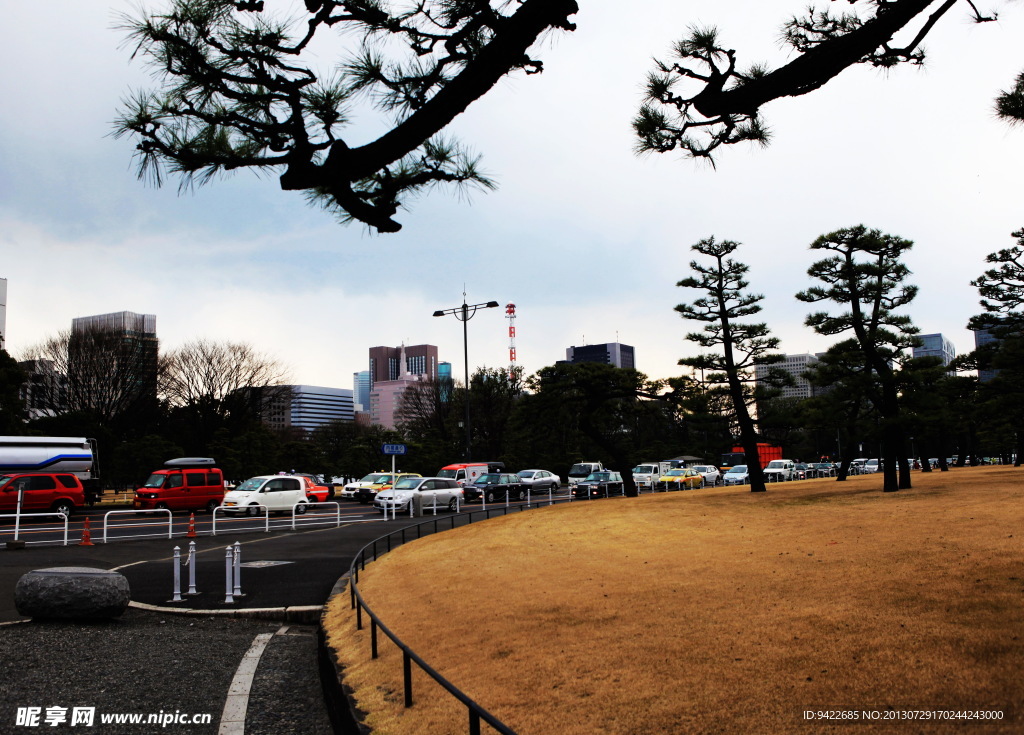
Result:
x=407 y=676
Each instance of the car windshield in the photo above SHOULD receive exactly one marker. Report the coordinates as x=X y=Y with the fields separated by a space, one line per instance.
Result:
x=155 y=481
x=598 y=477
x=407 y=483
x=251 y=485
x=374 y=477
x=675 y=473
x=450 y=474
x=526 y=474
x=644 y=469
x=740 y=469
x=488 y=480
x=580 y=469
x=4 y=479
x=776 y=464
x=702 y=468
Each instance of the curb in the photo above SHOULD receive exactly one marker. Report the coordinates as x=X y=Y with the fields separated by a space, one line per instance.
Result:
x=309 y=614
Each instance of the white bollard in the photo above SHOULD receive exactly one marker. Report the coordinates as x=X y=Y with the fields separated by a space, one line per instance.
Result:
x=238 y=571
x=191 y=564
x=177 y=575
x=527 y=496
x=229 y=558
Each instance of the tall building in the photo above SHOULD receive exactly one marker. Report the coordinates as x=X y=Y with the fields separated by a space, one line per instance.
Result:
x=984 y=337
x=361 y=389
x=611 y=353
x=935 y=345
x=45 y=390
x=306 y=407
x=390 y=363
x=797 y=366
x=392 y=371
x=112 y=362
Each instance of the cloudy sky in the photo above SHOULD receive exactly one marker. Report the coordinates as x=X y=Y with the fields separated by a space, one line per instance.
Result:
x=586 y=238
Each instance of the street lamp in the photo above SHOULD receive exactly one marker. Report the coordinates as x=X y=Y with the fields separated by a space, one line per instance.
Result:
x=464 y=313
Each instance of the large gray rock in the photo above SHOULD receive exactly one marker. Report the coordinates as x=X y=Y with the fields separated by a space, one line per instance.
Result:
x=72 y=593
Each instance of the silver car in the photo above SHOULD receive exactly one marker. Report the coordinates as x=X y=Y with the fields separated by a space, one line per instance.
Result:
x=540 y=480
x=711 y=474
x=434 y=492
x=737 y=475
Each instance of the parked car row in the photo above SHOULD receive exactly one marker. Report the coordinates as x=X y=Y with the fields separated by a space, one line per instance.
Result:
x=493 y=486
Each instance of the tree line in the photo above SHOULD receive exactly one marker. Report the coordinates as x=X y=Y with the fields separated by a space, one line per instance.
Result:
x=873 y=397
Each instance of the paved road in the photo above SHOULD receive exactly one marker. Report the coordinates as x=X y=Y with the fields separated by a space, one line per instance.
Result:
x=153 y=662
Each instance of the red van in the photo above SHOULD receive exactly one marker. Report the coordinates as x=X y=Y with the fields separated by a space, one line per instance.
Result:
x=59 y=492
x=186 y=483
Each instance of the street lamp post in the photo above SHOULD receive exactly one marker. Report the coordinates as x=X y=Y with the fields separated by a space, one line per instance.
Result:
x=464 y=313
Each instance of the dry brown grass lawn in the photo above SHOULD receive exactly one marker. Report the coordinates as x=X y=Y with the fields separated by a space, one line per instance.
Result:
x=710 y=611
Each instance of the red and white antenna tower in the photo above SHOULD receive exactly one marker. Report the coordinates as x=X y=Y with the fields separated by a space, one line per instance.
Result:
x=510 y=314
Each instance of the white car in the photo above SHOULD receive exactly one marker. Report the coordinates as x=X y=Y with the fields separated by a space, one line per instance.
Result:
x=737 y=475
x=540 y=480
x=277 y=493
x=439 y=492
x=779 y=470
x=372 y=479
x=711 y=474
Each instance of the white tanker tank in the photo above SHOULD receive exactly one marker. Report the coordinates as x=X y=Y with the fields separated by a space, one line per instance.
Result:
x=75 y=455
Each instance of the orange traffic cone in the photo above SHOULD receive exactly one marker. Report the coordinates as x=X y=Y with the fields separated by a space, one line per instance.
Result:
x=191 y=526
x=86 y=535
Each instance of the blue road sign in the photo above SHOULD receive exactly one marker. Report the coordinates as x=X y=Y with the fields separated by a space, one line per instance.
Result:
x=393 y=449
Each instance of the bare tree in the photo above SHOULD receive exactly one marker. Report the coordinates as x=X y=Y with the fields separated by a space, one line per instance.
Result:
x=204 y=369
x=109 y=375
x=206 y=374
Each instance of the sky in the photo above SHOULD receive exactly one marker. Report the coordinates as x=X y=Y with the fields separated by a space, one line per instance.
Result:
x=586 y=238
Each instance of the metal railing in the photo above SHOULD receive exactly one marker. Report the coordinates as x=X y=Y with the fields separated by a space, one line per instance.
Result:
x=170 y=519
x=476 y=712
x=234 y=508
x=17 y=522
x=399 y=537
x=337 y=511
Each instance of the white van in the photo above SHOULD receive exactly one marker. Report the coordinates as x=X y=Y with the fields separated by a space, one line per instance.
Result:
x=277 y=493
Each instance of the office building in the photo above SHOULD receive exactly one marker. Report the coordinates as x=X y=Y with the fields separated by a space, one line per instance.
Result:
x=361 y=390
x=306 y=407
x=984 y=337
x=45 y=390
x=935 y=345
x=796 y=366
x=112 y=362
x=390 y=363
x=611 y=353
x=392 y=371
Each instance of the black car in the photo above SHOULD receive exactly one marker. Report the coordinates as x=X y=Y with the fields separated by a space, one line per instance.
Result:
x=495 y=486
x=599 y=485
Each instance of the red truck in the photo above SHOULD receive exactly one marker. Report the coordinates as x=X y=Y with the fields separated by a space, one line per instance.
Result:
x=765 y=453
